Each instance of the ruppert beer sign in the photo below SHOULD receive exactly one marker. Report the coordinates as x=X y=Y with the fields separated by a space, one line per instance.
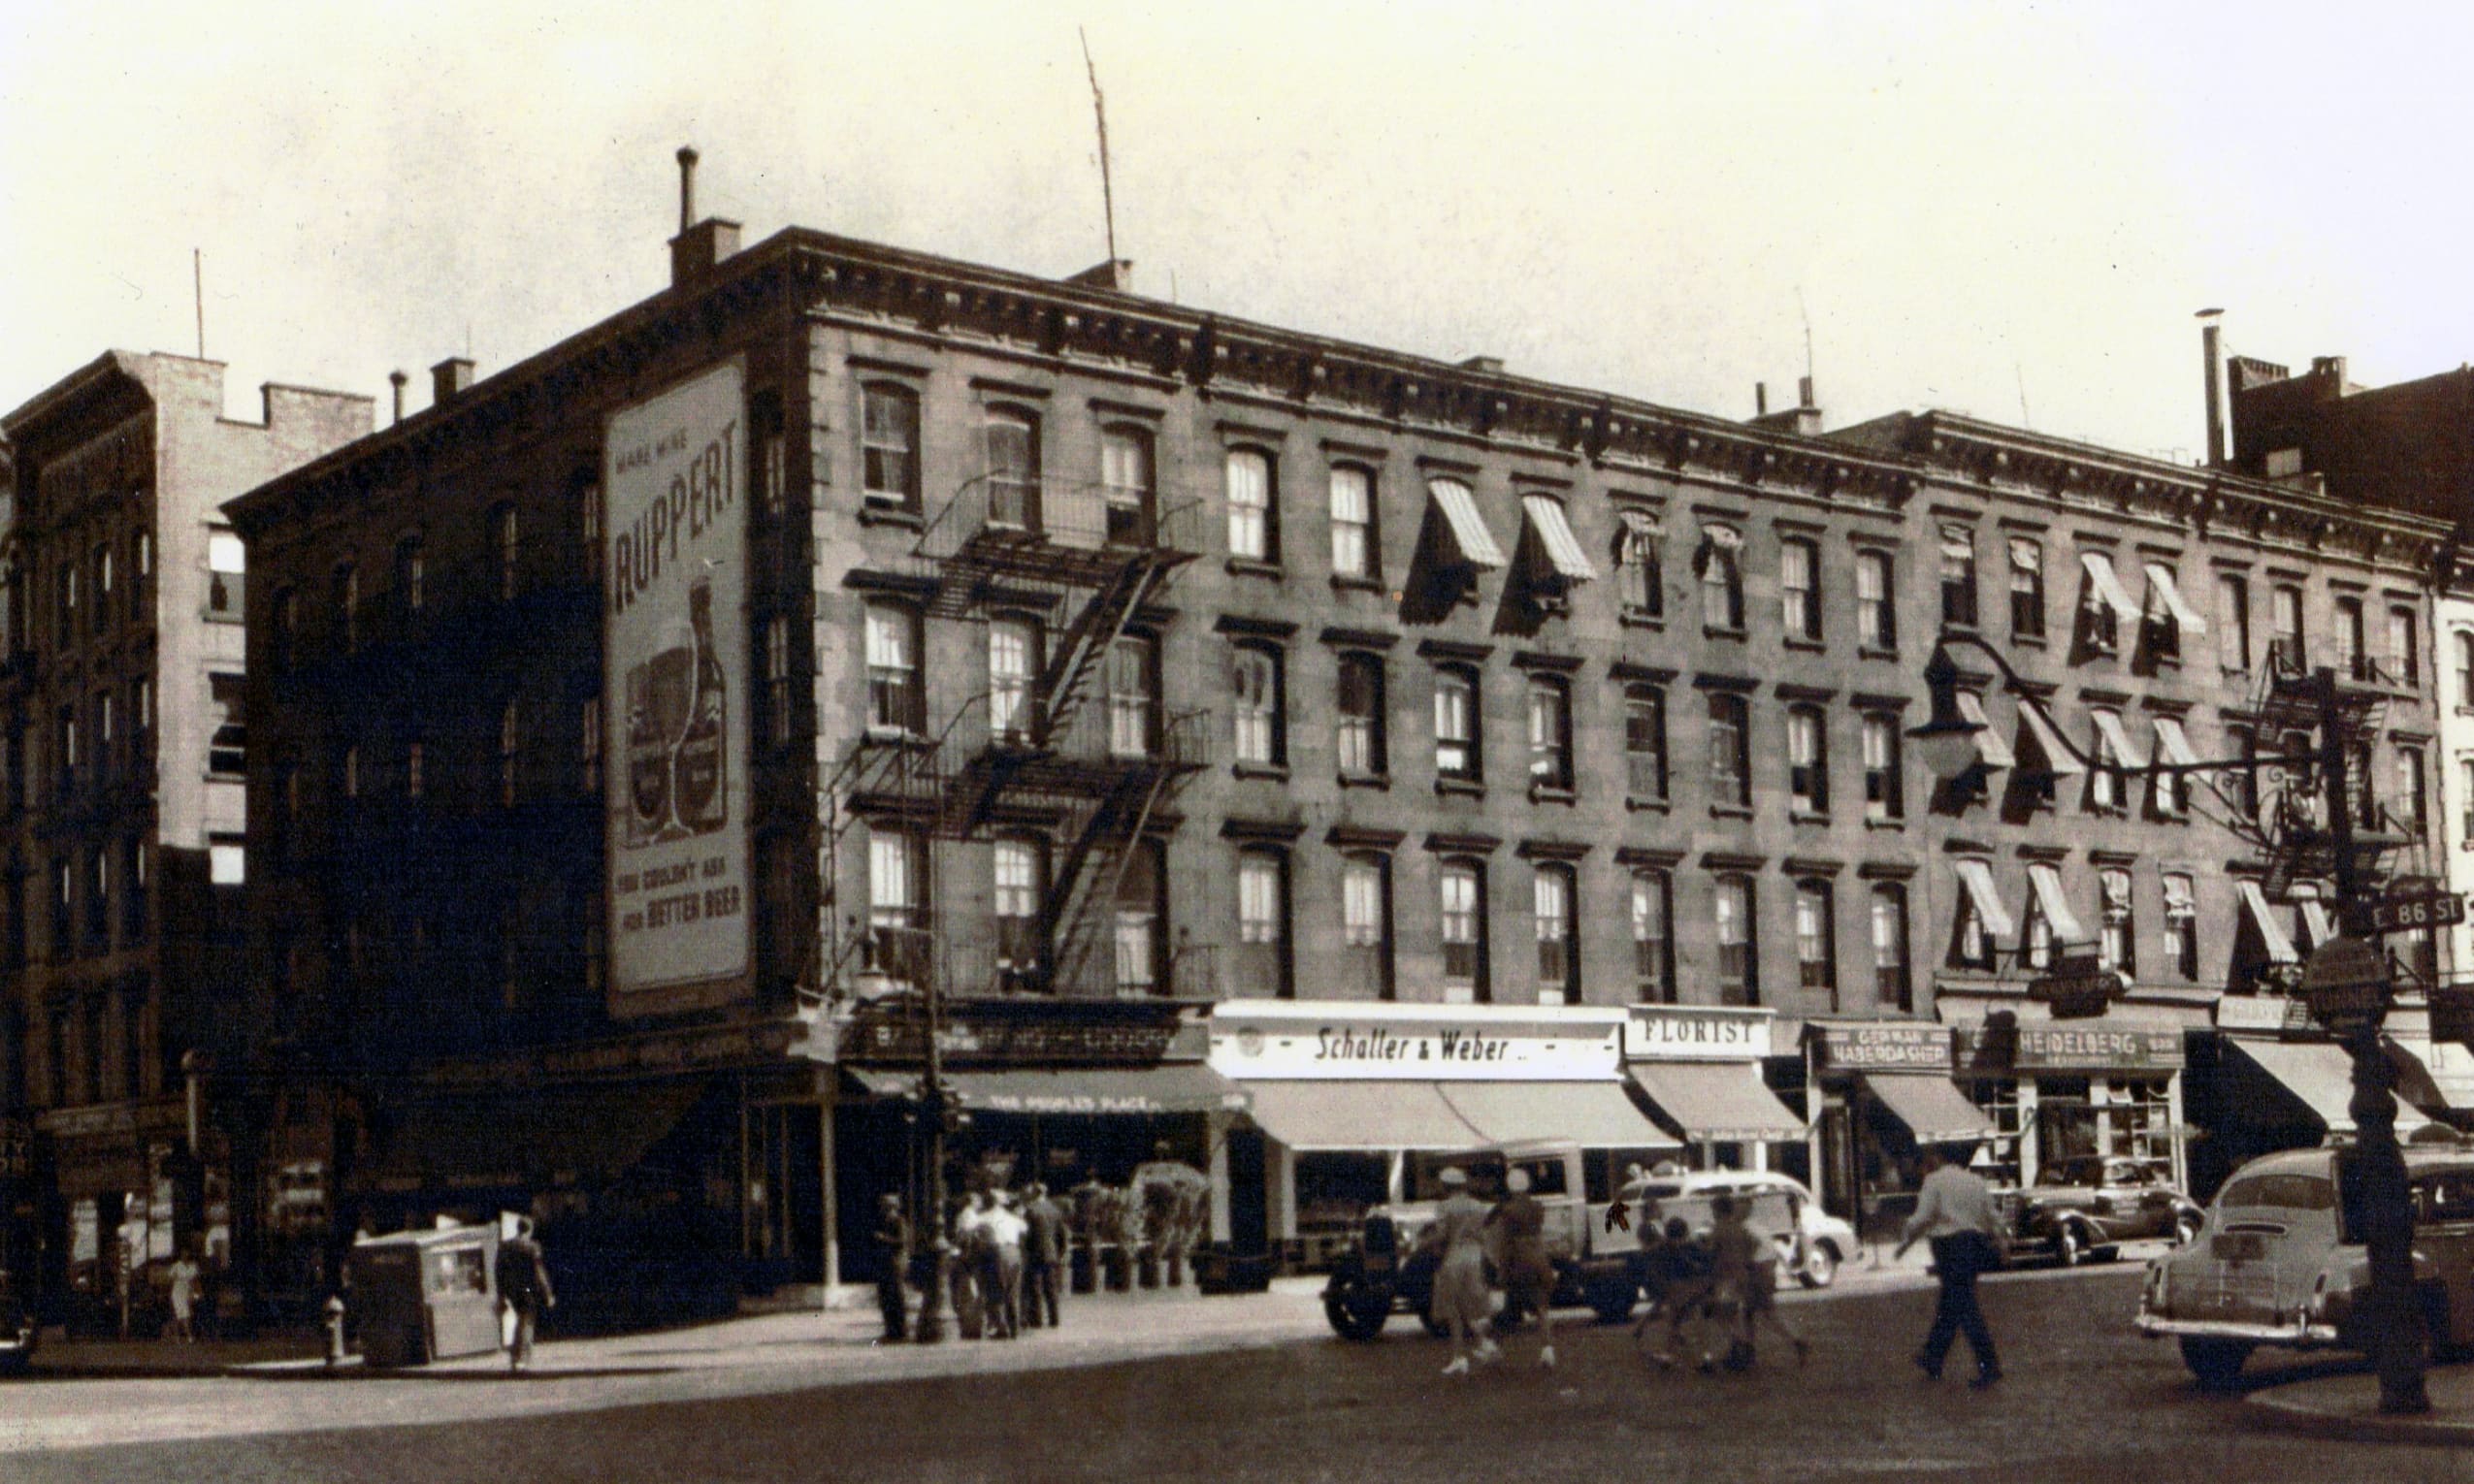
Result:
x=1424 y=1043
x=675 y=693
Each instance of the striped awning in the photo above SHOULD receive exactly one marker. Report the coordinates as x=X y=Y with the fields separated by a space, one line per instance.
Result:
x=2055 y=904
x=2117 y=738
x=2255 y=903
x=2106 y=588
x=1470 y=539
x=2162 y=589
x=1554 y=533
x=1976 y=876
x=1990 y=745
x=2058 y=759
x=2172 y=744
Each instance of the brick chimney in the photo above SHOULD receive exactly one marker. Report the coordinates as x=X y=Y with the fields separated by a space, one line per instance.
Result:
x=448 y=380
x=699 y=245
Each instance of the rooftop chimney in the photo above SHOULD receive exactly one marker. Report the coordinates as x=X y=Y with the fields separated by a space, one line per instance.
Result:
x=1761 y=399
x=699 y=245
x=447 y=380
x=1804 y=420
x=1490 y=365
x=1117 y=275
x=1804 y=395
x=2330 y=366
x=2211 y=353
x=396 y=379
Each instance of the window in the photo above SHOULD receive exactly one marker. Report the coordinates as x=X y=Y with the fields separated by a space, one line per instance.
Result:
x=2411 y=793
x=1884 y=781
x=1013 y=469
x=2050 y=920
x=1721 y=579
x=1353 y=549
x=1653 y=955
x=99 y=901
x=2404 y=652
x=1140 y=907
x=2464 y=668
x=507 y=755
x=2466 y=780
x=1641 y=580
x=2181 y=927
x=346 y=618
x=1462 y=892
x=1365 y=923
x=777 y=680
x=888 y=445
x=1456 y=753
x=1800 y=588
x=2107 y=789
x=2160 y=617
x=1730 y=762
x=1549 y=734
x=1981 y=922
x=227 y=742
x=2171 y=797
x=1807 y=761
x=141 y=570
x=1891 y=980
x=1133 y=698
x=1262 y=924
x=2351 y=659
x=504 y=547
x=1021 y=881
x=226 y=865
x=1362 y=753
x=1125 y=485
x=1251 y=508
x=588 y=727
x=2241 y=787
x=1644 y=743
x=894 y=699
x=2027 y=588
x=103 y=614
x=411 y=576
x=588 y=523
x=1957 y=577
x=1876 y=612
x=1013 y=662
x=2284 y=619
x=1739 y=968
x=1552 y=900
x=1254 y=681
x=2234 y=620
x=2117 y=941
x=2100 y=614
x=896 y=946
x=1816 y=955
x=133 y=896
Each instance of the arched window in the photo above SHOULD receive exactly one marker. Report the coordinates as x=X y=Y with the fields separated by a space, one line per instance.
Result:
x=1254 y=528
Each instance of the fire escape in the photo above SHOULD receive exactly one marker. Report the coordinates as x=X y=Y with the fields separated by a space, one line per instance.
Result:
x=1075 y=751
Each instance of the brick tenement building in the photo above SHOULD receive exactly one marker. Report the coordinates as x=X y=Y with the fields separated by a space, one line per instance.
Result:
x=1108 y=667
x=122 y=732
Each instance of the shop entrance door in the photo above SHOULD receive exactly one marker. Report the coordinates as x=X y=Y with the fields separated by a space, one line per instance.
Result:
x=785 y=1195
x=1248 y=1223
x=1838 y=1187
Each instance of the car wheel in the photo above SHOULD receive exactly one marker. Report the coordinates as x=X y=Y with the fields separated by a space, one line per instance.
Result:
x=1820 y=1266
x=2069 y=1246
x=2186 y=1228
x=1357 y=1309
x=2216 y=1363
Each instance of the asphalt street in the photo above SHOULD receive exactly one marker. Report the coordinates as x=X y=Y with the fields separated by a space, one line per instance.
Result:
x=2086 y=1399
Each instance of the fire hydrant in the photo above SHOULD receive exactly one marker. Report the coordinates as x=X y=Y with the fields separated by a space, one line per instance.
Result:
x=334 y=1331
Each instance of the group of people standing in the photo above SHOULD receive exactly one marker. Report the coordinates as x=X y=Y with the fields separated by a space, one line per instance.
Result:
x=1005 y=1253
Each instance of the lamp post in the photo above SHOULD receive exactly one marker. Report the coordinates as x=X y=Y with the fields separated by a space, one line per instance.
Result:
x=1947 y=744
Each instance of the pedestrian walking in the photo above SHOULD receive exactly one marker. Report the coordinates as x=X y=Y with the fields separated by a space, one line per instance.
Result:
x=1954 y=1213
x=975 y=1269
x=1006 y=1231
x=1043 y=1257
x=1734 y=1252
x=1528 y=1273
x=1683 y=1275
x=184 y=1298
x=1461 y=1298
x=893 y=1265
x=1761 y=1304
x=524 y=1287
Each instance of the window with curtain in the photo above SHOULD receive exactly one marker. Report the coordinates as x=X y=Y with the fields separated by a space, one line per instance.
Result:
x=1800 y=587
x=1549 y=734
x=1365 y=921
x=1461 y=891
x=1721 y=579
x=894 y=702
x=1884 y=786
x=888 y=445
x=1353 y=548
x=1957 y=577
x=2352 y=659
x=1644 y=743
x=1142 y=906
x=1892 y=984
x=1255 y=696
x=1555 y=902
x=1013 y=662
x=2117 y=943
x=1738 y=965
x=2284 y=620
x=1250 y=506
x=1262 y=923
x=1361 y=716
x=1019 y=882
x=2027 y=588
x=1125 y=486
x=2404 y=650
x=1640 y=568
x=1653 y=959
x=2182 y=926
x=1013 y=476
x=1456 y=753
x=2234 y=620
x=1730 y=769
x=1808 y=760
x=1133 y=696
x=1876 y=611
x=1816 y=957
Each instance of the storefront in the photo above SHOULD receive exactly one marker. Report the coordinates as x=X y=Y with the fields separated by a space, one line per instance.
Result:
x=1101 y=1097
x=115 y=1195
x=1344 y=1093
x=1701 y=1070
x=1878 y=1093
x=2059 y=1090
x=2275 y=1080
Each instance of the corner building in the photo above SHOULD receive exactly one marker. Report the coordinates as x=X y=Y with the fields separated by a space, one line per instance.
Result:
x=123 y=731
x=1126 y=701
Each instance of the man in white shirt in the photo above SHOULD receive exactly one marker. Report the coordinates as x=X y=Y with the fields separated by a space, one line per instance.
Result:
x=1006 y=1230
x=1954 y=1212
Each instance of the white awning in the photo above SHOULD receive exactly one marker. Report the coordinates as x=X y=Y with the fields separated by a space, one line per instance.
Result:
x=1991 y=745
x=2172 y=744
x=2280 y=948
x=1641 y=523
x=2161 y=586
x=2106 y=588
x=2117 y=738
x=1976 y=876
x=2058 y=760
x=1469 y=534
x=2054 y=904
x=1958 y=541
x=1563 y=550
x=2320 y=1075
x=1723 y=538
x=2178 y=900
x=2316 y=922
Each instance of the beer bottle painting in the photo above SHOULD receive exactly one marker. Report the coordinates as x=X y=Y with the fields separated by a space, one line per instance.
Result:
x=658 y=701
x=696 y=792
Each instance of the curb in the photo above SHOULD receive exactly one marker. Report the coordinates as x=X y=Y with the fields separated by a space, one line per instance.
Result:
x=2295 y=1416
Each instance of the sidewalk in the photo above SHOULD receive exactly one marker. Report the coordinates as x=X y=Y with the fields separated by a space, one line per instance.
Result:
x=2347 y=1406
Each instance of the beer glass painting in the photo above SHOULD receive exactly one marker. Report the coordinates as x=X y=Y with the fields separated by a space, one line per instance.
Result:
x=660 y=696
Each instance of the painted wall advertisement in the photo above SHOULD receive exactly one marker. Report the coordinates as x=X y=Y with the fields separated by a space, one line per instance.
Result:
x=674 y=695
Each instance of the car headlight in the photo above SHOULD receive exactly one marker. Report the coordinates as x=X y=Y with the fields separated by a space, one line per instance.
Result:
x=2158 y=1286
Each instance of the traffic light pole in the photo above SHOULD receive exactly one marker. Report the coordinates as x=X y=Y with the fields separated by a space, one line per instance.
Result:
x=2383 y=1198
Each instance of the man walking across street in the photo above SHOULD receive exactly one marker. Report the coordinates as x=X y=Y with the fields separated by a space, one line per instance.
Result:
x=1043 y=1257
x=1954 y=1212
x=524 y=1286
x=893 y=1263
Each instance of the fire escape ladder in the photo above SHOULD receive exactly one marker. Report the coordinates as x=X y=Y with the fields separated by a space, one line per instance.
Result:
x=1066 y=682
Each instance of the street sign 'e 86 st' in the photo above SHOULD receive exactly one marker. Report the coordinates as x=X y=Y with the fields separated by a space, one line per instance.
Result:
x=2404 y=913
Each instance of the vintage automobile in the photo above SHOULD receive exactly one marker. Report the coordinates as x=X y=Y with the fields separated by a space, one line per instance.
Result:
x=2090 y=1206
x=17 y=1330
x=1811 y=1243
x=2280 y=1260
x=1392 y=1268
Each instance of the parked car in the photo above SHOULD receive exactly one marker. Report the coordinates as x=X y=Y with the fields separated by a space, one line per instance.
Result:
x=2280 y=1261
x=1811 y=1243
x=2090 y=1206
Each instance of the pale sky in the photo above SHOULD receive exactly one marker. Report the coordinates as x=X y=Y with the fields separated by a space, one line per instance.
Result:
x=1976 y=206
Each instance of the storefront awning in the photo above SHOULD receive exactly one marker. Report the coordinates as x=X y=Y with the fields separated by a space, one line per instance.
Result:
x=1366 y=1113
x=2321 y=1076
x=1554 y=533
x=1596 y=1115
x=1183 y=1087
x=556 y=1136
x=1934 y=1110
x=1470 y=541
x=2435 y=1075
x=1717 y=1102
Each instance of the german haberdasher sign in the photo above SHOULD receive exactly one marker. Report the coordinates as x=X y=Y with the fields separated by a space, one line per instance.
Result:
x=674 y=695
